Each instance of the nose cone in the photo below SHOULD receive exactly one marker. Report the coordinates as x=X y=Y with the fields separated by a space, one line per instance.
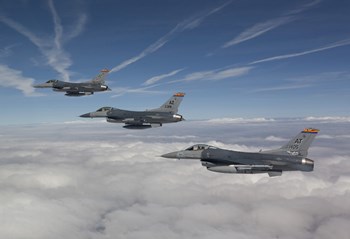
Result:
x=87 y=115
x=172 y=155
x=95 y=114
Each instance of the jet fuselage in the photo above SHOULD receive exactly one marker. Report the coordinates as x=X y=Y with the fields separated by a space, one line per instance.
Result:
x=278 y=162
x=290 y=157
x=166 y=113
x=62 y=86
x=126 y=116
x=78 y=89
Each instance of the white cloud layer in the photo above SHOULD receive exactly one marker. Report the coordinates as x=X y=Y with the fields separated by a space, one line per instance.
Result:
x=102 y=181
x=329 y=118
x=239 y=120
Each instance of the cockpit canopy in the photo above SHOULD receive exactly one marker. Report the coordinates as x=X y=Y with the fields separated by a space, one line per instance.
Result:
x=51 y=81
x=104 y=109
x=200 y=147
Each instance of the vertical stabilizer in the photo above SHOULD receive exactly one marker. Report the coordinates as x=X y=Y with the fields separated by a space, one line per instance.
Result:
x=171 y=105
x=100 y=78
x=301 y=143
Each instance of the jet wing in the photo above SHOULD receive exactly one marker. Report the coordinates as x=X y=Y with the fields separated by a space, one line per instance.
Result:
x=77 y=92
x=72 y=90
x=274 y=173
x=140 y=123
x=239 y=168
x=74 y=87
x=143 y=120
x=87 y=87
x=236 y=168
x=141 y=126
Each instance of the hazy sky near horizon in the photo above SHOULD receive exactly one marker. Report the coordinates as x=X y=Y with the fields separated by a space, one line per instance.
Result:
x=233 y=58
x=95 y=180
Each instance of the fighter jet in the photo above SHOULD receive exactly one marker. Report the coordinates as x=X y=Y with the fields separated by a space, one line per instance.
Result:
x=78 y=89
x=167 y=113
x=290 y=157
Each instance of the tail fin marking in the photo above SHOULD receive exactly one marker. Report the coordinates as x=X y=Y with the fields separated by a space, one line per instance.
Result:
x=171 y=105
x=100 y=78
x=300 y=144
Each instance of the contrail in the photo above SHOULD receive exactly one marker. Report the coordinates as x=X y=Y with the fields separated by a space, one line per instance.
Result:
x=281 y=57
x=188 y=24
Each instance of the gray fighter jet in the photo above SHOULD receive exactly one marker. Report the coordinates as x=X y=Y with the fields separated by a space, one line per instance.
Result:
x=78 y=89
x=167 y=113
x=290 y=157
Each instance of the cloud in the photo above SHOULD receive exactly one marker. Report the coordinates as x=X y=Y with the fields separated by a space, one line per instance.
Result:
x=264 y=27
x=217 y=74
x=188 y=24
x=304 y=7
x=119 y=91
x=213 y=75
x=306 y=81
x=84 y=121
x=58 y=59
x=51 y=48
x=275 y=139
x=282 y=57
x=239 y=120
x=283 y=87
x=329 y=119
x=155 y=79
x=100 y=180
x=24 y=31
x=78 y=28
x=13 y=78
x=7 y=51
x=326 y=136
x=57 y=25
x=258 y=29
x=322 y=77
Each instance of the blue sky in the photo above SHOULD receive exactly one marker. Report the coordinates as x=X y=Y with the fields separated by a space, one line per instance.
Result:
x=232 y=58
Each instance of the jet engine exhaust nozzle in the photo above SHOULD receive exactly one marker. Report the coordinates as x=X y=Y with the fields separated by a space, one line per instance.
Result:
x=178 y=117
x=105 y=87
